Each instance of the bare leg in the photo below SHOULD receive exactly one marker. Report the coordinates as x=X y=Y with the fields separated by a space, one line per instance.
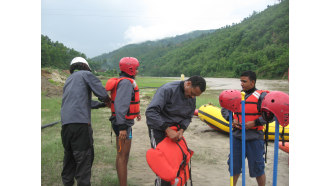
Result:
x=236 y=176
x=261 y=180
x=124 y=146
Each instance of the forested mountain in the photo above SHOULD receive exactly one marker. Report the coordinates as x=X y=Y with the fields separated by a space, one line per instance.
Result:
x=56 y=55
x=259 y=43
x=150 y=48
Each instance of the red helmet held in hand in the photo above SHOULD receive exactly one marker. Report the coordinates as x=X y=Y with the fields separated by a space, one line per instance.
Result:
x=277 y=102
x=129 y=65
x=231 y=100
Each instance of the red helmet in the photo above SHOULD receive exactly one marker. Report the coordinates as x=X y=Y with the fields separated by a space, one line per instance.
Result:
x=129 y=65
x=231 y=100
x=277 y=102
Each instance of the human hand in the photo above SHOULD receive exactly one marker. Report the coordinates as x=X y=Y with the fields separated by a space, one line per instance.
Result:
x=172 y=134
x=108 y=103
x=122 y=134
x=138 y=118
x=180 y=132
x=250 y=124
x=236 y=124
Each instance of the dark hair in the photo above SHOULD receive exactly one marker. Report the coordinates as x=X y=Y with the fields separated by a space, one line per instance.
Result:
x=198 y=81
x=79 y=66
x=252 y=76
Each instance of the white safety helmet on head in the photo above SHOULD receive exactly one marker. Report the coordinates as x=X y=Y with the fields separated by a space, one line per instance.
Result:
x=79 y=60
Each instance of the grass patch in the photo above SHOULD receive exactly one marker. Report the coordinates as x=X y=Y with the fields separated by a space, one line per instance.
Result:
x=209 y=96
x=54 y=82
x=50 y=109
x=51 y=155
x=153 y=81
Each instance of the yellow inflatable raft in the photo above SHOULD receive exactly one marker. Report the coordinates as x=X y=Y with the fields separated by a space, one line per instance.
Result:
x=212 y=116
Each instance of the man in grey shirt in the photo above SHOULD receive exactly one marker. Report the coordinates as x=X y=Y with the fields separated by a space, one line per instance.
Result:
x=77 y=133
x=172 y=105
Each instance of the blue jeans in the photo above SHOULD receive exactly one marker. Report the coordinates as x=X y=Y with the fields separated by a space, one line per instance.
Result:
x=254 y=151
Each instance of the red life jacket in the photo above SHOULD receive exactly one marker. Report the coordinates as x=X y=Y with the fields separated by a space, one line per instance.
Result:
x=251 y=109
x=170 y=161
x=134 y=107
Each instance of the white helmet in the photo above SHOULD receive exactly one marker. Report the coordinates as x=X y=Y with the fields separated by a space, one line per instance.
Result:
x=79 y=60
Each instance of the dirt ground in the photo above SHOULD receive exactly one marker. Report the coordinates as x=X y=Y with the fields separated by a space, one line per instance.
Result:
x=55 y=88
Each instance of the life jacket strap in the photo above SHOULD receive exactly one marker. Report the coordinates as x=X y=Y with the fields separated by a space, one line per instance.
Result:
x=250 y=102
x=136 y=113
x=128 y=114
x=184 y=162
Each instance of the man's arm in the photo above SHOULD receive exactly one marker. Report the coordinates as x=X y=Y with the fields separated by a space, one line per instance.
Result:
x=97 y=104
x=96 y=87
x=186 y=122
x=225 y=113
x=153 y=112
x=122 y=102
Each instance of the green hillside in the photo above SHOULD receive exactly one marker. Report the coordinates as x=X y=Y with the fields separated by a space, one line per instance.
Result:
x=149 y=49
x=57 y=55
x=259 y=43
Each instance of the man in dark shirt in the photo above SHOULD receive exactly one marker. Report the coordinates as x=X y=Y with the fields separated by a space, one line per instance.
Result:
x=172 y=105
x=77 y=133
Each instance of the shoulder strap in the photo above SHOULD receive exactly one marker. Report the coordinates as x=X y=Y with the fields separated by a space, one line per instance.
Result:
x=261 y=93
x=111 y=84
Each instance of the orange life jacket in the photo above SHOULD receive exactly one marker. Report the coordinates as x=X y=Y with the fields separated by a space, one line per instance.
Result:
x=170 y=161
x=134 y=107
x=251 y=109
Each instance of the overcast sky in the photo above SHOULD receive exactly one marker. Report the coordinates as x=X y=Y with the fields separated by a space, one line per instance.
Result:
x=95 y=27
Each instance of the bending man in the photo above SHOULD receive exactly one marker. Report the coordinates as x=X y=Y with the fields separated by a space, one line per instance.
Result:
x=173 y=105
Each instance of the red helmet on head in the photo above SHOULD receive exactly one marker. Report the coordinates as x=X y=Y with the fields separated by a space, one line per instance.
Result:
x=277 y=102
x=129 y=65
x=231 y=100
